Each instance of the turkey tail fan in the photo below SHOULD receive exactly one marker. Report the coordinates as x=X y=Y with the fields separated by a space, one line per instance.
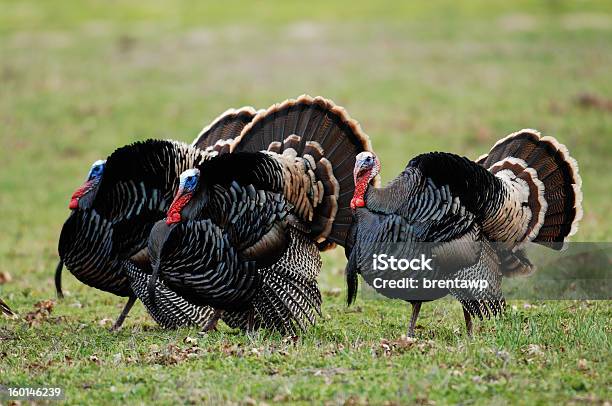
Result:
x=552 y=176
x=219 y=134
x=328 y=140
x=5 y=309
x=289 y=299
x=58 y=280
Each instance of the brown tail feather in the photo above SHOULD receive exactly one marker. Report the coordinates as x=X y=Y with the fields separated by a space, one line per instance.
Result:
x=553 y=172
x=324 y=135
x=224 y=128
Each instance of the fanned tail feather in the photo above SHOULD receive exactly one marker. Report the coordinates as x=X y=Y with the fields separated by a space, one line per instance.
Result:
x=219 y=134
x=328 y=140
x=546 y=166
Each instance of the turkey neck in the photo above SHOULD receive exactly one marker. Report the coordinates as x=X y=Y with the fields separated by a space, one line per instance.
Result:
x=196 y=205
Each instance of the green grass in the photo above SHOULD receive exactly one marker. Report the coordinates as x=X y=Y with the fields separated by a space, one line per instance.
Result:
x=80 y=79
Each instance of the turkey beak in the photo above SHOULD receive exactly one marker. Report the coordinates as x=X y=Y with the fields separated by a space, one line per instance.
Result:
x=178 y=194
x=360 y=170
x=357 y=170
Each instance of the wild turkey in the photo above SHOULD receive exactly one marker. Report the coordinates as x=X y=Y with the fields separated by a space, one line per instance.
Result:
x=5 y=309
x=243 y=230
x=115 y=209
x=478 y=214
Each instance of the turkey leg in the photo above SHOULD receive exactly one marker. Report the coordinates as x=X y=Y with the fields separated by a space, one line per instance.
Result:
x=468 y=322
x=58 y=280
x=124 y=313
x=251 y=321
x=416 y=308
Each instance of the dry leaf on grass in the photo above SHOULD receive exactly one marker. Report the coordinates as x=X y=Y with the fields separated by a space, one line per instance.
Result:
x=387 y=347
x=334 y=292
x=190 y=340
x=42 y=312
x=172 y=354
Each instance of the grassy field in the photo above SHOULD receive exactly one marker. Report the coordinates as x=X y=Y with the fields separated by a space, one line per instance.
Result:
x=79 y=79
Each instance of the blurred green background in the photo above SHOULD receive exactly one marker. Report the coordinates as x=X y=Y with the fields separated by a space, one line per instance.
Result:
x=79 y=79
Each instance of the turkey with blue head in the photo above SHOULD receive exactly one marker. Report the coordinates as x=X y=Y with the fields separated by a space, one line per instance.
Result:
x=103 y=241
x=244 y=231
x=474 y=218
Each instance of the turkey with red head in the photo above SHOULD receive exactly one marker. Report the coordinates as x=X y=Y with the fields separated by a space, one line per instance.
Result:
x=472 y=218
x=243 y=232
x=103 y=241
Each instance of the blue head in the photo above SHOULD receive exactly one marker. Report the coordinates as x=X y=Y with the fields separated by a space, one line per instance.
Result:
x=188 y=183
x=96 y=171
x=84 y=195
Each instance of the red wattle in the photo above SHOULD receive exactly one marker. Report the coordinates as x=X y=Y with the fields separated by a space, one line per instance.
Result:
x=74 y=203
x=361 y=185
x=173 y=218
x=80 y=192
x=174 y=212
x=357 y=202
